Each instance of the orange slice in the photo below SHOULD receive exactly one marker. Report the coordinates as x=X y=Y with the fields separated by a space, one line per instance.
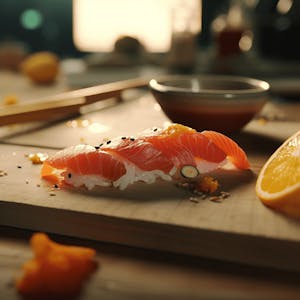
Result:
x=278 y=184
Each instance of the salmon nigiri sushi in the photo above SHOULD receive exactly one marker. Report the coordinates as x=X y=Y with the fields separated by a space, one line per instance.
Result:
x=173 y=153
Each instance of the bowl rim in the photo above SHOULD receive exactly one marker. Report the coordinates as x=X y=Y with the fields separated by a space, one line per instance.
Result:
x=260 y=87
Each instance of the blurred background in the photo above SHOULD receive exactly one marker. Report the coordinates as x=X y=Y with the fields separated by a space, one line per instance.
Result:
x=108 y=40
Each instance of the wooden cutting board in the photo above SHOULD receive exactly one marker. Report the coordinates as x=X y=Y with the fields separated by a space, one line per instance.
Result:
x=161 y=216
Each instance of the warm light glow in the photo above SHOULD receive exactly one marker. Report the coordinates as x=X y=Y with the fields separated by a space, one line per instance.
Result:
x=283 y=6
x=246 y=41
x=235 y=16
x=219 y=23
x=99 y=23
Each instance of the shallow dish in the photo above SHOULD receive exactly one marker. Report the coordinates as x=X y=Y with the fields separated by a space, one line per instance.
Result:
x=222 y=103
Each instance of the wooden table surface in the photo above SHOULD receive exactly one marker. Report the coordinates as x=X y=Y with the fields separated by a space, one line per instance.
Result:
x=134 y=273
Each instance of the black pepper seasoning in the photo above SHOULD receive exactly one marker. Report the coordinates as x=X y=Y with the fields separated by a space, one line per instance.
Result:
x=69 y=175
x=108 y=142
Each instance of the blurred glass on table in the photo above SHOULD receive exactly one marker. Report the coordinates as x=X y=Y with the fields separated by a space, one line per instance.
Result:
x=186 y=27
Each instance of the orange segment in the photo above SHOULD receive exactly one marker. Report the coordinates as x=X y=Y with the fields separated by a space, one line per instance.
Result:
x=49 y=173
x=278 y=184
x=56 y=270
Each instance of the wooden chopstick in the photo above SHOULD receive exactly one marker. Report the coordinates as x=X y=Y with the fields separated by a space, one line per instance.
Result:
x=65 y=104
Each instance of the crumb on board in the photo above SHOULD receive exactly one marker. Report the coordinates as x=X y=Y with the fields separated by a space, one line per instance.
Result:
x=194 y=199
x=220 y=197
x=206 y=189
x=10 y=100
x=215 y=199
x=3 y=173
x=266 y=117
x=262 y=121
x=37 y=158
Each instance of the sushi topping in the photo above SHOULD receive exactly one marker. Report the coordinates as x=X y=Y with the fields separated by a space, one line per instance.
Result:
x=176 y=153
x=3 y=173
x=189 y=172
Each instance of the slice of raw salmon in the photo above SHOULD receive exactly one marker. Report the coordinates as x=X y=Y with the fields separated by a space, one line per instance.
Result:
x=140 y=153
x=188 y=148
x=233 y=151
x=84 y=160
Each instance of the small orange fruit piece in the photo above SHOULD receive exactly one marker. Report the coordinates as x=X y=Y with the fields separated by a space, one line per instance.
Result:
x=56 y=270
x=41 y=67
x=176 y=129
x=207 y=184
x=278 y=184
x=49 y=173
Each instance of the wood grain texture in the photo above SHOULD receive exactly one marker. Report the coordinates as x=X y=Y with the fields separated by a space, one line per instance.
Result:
x=134 y=273
x=159 y=216
x=65 y=104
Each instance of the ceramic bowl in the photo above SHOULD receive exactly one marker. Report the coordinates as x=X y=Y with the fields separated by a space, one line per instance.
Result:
x=210 y=102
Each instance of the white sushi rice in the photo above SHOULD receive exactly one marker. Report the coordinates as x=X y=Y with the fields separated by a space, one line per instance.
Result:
x=133 y=174
x=89 y=181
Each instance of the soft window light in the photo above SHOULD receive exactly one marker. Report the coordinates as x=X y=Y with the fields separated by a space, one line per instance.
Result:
x=99 y=23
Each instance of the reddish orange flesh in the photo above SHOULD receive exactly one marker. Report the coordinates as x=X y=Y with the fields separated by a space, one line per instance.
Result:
x=234 y=153
x=142 y=154
x=86 y=163
x=184 y=148
x=56 y=271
